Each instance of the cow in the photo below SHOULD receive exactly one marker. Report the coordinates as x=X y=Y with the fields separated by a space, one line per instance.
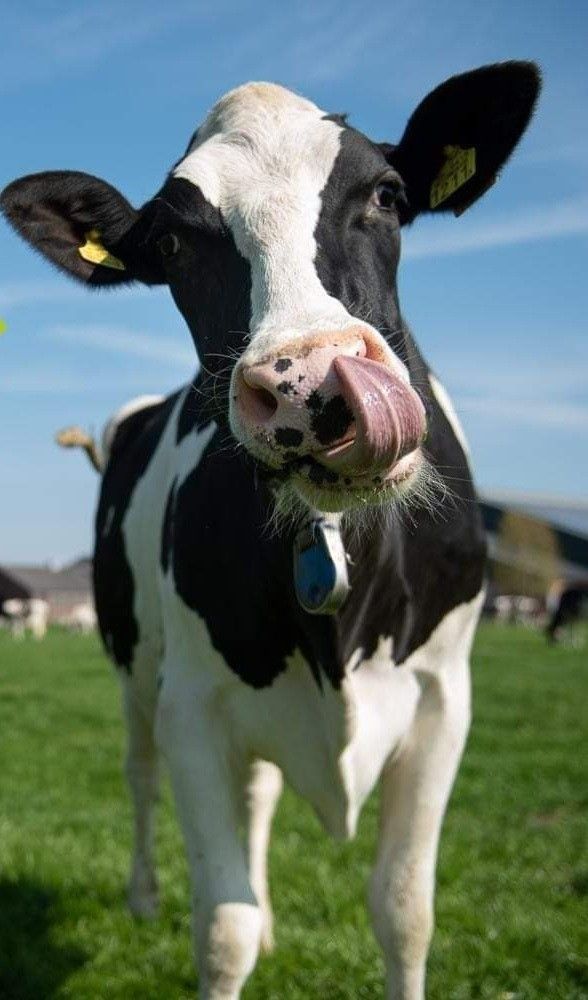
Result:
x=567 y=604
x=81 y=619
x=289 y=561
x=26 y=615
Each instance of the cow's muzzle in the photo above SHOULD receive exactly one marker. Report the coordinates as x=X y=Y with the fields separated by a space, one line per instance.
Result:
x=341 y=400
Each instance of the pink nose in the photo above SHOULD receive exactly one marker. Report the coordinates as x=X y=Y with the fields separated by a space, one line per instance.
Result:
x=333 y=396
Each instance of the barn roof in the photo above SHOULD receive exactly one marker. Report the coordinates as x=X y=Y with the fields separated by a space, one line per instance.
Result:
x=568 y=513
x=559 y=516
x=42 y=581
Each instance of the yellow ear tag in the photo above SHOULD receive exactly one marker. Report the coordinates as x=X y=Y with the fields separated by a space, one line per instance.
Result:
x=95 y=253
x=3 y=327
x=459 y=166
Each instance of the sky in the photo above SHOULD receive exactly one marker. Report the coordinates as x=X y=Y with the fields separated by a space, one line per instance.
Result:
x=497 y=299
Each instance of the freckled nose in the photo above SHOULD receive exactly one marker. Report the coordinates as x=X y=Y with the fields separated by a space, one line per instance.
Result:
x=293 y=400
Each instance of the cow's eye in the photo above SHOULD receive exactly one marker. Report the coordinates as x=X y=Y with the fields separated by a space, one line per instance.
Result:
x=169 y=245
x=387 y=195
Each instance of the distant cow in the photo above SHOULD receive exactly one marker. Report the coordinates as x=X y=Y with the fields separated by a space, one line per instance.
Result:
x=568 y=603
x=82 y=618
x=26 y=615
x=517 y=608
x=311 y=448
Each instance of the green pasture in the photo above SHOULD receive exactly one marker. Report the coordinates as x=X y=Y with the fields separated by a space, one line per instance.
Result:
x=512 y=903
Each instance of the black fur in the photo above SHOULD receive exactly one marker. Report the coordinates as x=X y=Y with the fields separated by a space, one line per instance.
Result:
x=487 y=109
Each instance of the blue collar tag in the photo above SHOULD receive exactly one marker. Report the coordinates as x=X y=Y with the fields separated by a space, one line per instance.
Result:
x=321 y=579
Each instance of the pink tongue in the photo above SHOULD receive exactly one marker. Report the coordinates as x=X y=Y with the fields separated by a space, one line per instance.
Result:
x=389 y=417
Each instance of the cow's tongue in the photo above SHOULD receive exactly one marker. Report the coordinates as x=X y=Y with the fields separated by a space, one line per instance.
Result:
x=389 y=418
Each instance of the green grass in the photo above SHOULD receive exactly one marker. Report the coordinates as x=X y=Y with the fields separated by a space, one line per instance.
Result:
x=513 y=870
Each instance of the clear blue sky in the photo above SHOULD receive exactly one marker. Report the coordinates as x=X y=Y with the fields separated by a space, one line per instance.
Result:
x=498 y=299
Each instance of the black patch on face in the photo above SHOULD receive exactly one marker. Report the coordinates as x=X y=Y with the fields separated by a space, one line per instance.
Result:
x=288 y=437
x=332 y=420
x=114 y=589
x=358 y=248
x=282 y=365
x=286 y=388
x=210 y=282
x=167 y=530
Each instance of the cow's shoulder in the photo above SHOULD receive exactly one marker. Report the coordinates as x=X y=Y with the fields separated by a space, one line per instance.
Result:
x=131 y=440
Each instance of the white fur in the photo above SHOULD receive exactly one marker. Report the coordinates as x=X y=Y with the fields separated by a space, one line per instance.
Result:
x=263 y=157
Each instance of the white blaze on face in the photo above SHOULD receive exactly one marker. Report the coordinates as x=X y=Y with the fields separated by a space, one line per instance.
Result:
x=263 y=156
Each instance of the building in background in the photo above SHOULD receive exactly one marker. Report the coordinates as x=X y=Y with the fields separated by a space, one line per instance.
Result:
x=534 y=542
x=66 y=590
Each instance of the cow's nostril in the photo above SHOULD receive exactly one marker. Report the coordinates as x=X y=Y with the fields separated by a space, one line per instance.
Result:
x=266 y=401
x=258 y=403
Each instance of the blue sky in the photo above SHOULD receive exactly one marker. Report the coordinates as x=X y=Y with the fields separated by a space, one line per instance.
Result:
x=498 y=299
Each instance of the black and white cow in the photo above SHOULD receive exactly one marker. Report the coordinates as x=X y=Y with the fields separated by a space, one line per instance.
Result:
x=278 y=233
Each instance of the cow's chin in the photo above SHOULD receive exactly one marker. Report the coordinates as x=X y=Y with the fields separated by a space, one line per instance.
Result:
x=361 y=501
x=325 y=491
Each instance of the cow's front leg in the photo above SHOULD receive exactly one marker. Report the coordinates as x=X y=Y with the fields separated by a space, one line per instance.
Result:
x=209 y=787
x=415 y=790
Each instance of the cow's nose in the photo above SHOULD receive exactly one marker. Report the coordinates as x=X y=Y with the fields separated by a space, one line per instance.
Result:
x=294 y=399
x=336 y=397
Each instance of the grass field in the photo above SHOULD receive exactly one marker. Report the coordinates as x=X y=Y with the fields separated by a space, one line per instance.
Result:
x=513 y=871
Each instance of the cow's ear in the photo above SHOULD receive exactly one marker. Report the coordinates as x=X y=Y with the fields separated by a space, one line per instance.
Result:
x=84 y=226
x=461 y=135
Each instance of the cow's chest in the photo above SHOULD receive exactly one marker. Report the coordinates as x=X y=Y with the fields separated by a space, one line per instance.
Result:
x=330 y=742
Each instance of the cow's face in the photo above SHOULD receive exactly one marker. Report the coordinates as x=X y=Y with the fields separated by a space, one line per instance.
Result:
x=279 y=235
x=303 y=215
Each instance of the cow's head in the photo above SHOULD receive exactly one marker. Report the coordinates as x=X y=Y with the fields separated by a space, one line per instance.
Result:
x=278 y=233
